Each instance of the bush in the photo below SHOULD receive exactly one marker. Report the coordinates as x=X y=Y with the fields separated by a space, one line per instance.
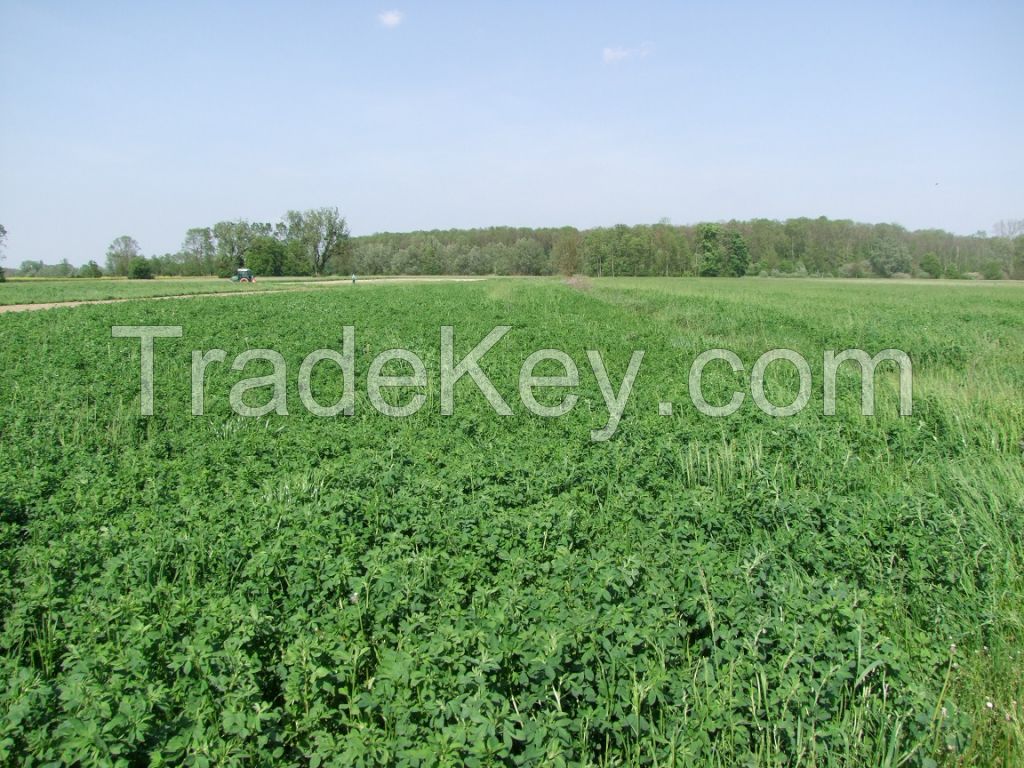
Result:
x=92 y=269
x=296 y=263
x=266 y=256
x=992 y=271
x=930 y=265
x=855 y=269
x=888 y=256
x=140 y=269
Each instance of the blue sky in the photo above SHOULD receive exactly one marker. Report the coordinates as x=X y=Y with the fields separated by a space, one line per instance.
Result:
x=148 y=118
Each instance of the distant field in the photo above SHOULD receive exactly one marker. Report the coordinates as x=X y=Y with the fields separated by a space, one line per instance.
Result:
x=52 y=291
x=45 y=291
x=500 y=590
x=32 y=291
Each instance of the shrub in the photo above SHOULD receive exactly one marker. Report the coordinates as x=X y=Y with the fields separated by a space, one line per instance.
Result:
x=930 y=265
x=993 y=270
x=855 y=269
x=92 y=269
x=266 y=256
x=140 y=269
x=888 y=256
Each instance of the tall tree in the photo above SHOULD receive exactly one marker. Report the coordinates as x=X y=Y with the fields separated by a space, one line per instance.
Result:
x=3 y=242
x=1009 y=228
x=737 y=255
x=199 y=252
x=120 y=254
x=323 y=235
x=889 y=256
x=1017 y=268
x=266 y=256
x=233 y=240
x=565 y=253
x=710 y=251
x=931 y=265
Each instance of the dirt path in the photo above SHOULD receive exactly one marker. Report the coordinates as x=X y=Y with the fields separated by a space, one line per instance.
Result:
x=310 y=285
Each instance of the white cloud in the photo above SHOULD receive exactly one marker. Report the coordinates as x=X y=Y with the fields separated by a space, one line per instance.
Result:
x=390 y=19
x=620 y=53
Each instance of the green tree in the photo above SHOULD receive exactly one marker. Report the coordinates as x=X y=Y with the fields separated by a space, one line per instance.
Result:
x=232 y=242
x=120 y=254
x=199 y=252
x=92 y=269
x=889 y=256
x=266 y=256
x=565 y=253
x=711 y=257
x=930 y=265
x=993 y=270
x=3 y=241
x=737 y=255
x=140 y=269
x=295 y=263
x=323 y=235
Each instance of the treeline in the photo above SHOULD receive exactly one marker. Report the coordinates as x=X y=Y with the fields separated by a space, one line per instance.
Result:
x=317 y=242
x=796 y=247
x=301 y=243
x=310 y=242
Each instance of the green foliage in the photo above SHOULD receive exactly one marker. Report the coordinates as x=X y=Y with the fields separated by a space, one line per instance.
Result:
x=266 y=256
x=198 y=255
x=737 y=254
x=889 y=256
x=120 y=255
x=484 y=590
x=816 y=247
x=233 y=239
x=140 y=269
x=930 y=265
x=993 y=270
x=30 y=268
x=721 y=253
x=295 y=261
x=565 y=252
x=322 y=234
x=92 y=269
x=711 y=251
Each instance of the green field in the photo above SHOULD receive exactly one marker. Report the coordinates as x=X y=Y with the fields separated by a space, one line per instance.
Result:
x=44 y=291
x=502 y=590
x=33 y=290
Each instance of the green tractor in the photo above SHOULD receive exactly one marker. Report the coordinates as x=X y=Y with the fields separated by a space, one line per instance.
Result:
x=243 y=275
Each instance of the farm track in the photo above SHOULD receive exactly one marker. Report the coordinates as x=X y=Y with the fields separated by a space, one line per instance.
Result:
x=306 y=286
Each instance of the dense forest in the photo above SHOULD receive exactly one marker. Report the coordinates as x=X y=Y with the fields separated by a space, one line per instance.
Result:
x=318 y=242
x=797 y=247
